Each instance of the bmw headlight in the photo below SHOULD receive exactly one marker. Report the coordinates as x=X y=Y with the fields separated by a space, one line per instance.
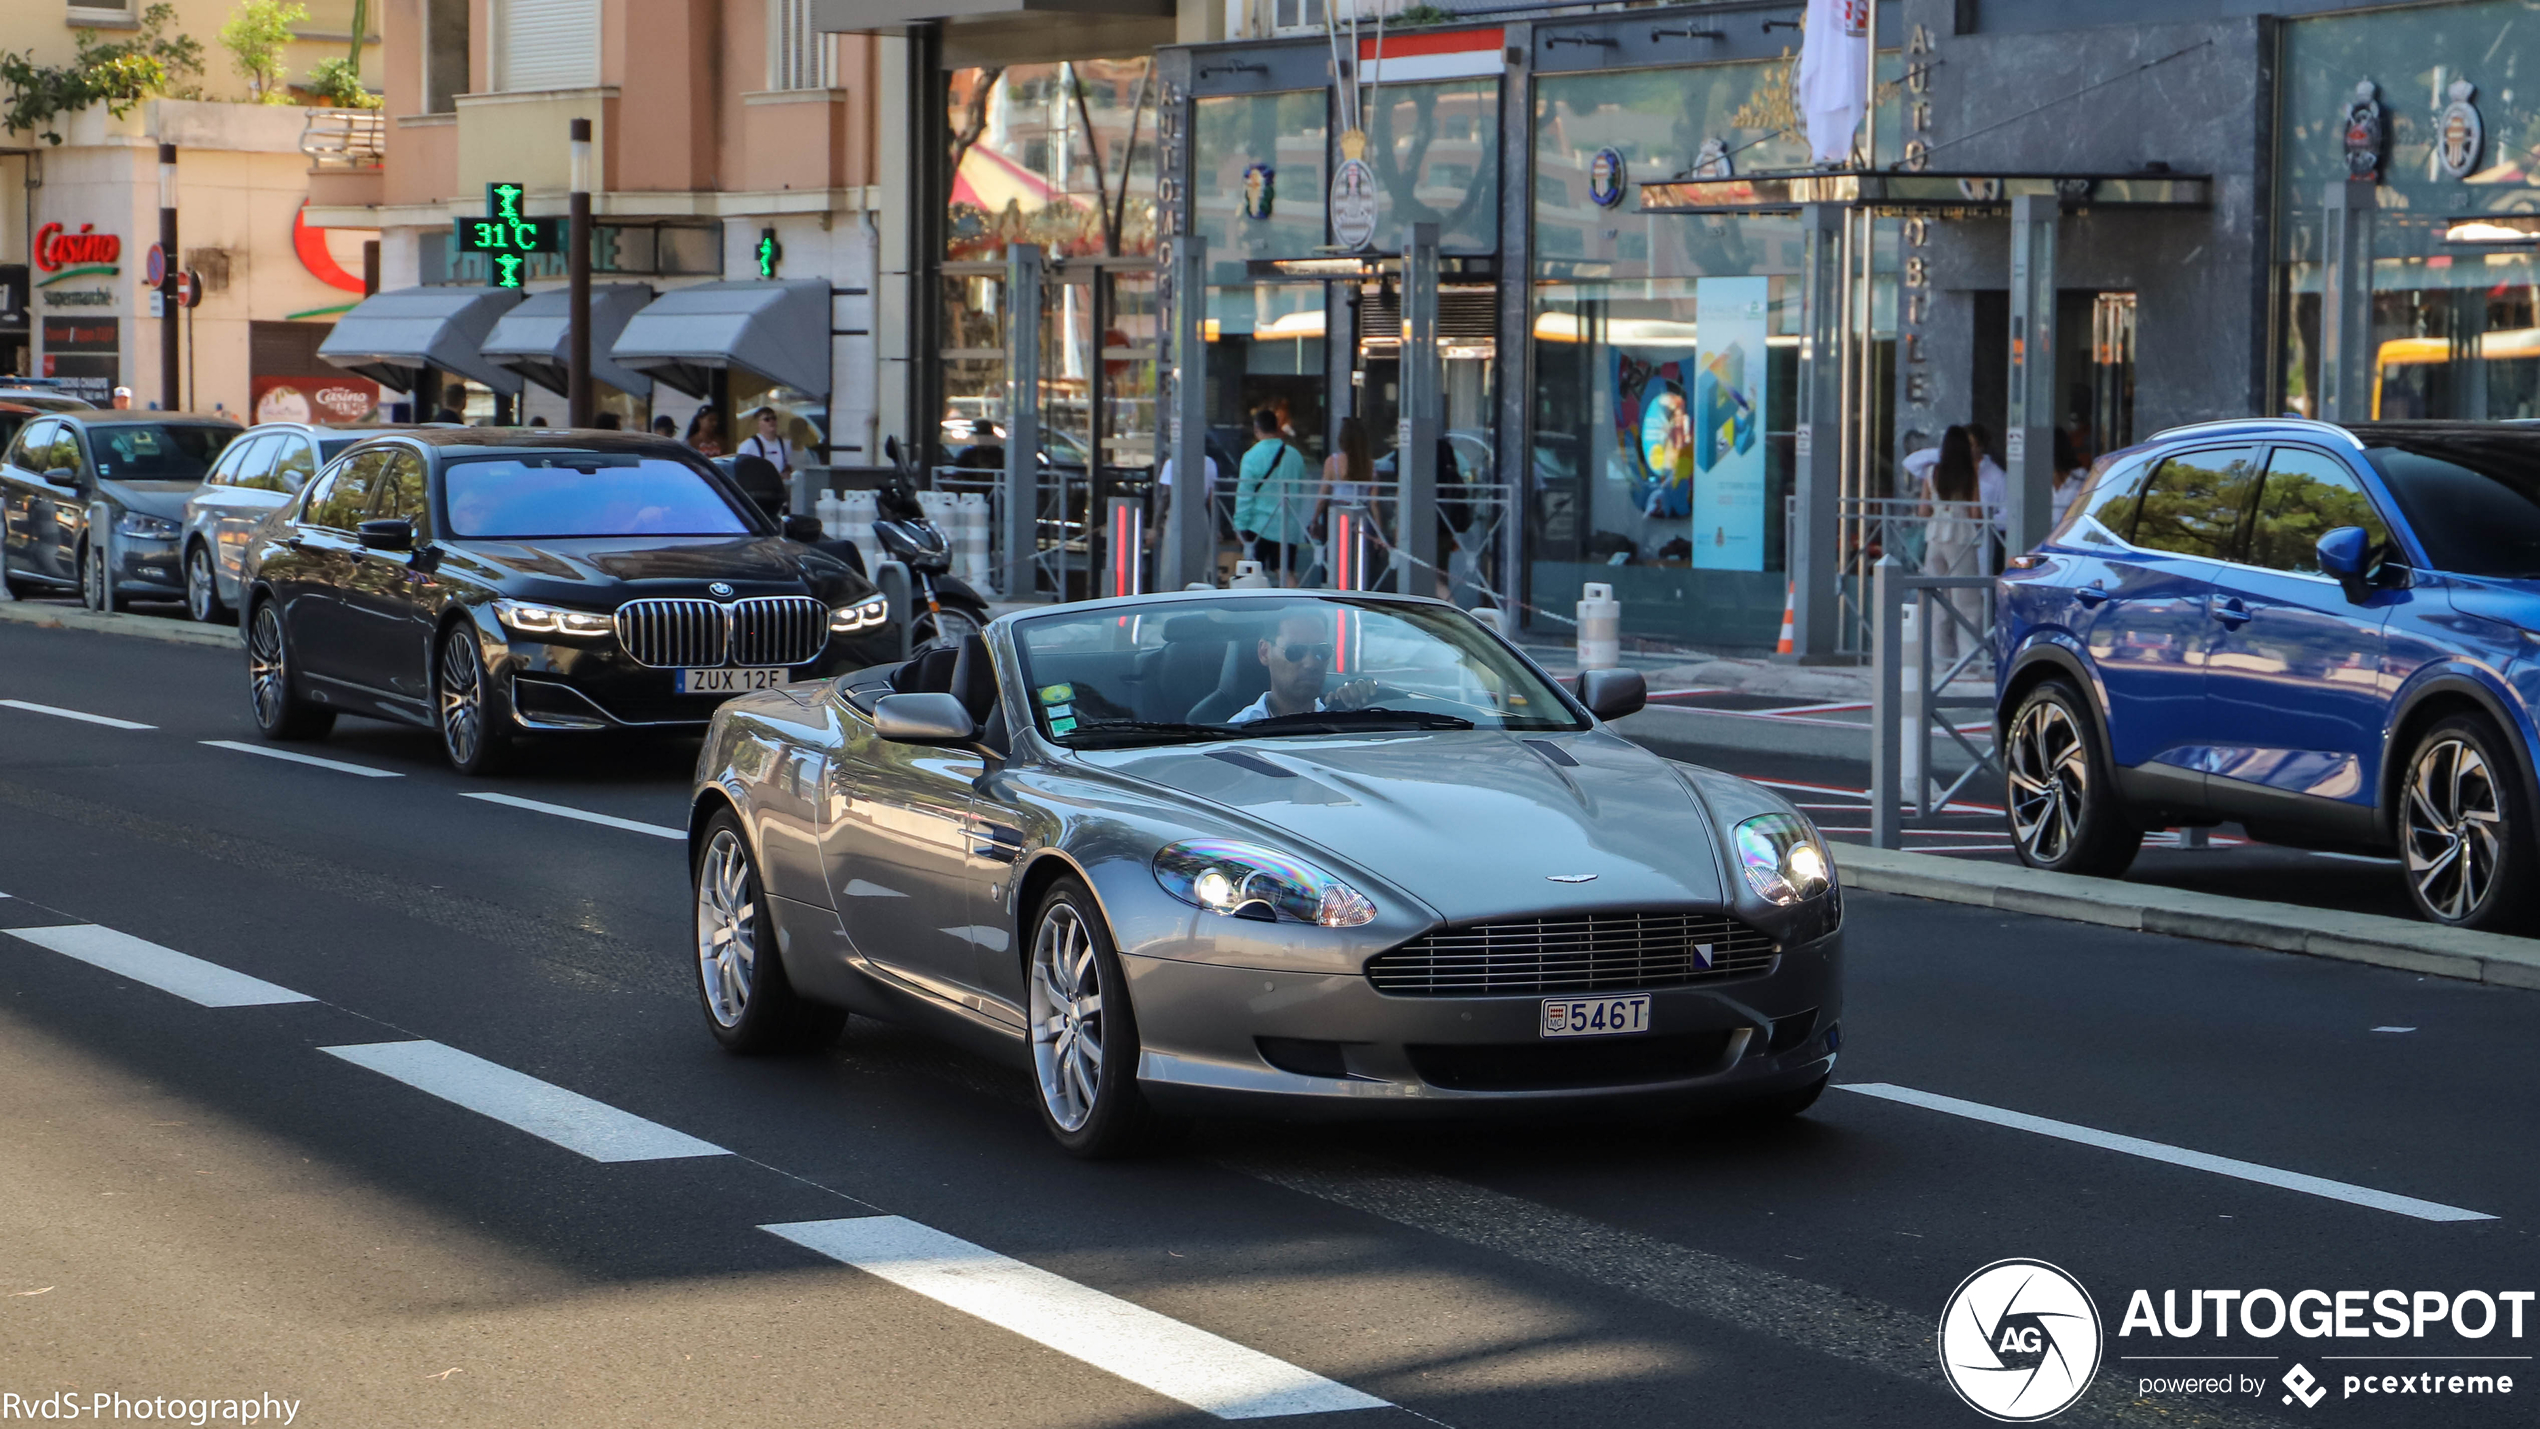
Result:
x=1241 y=880
x=863 y=615
x=1783 y=860
x=527 y=619
x=148 y=528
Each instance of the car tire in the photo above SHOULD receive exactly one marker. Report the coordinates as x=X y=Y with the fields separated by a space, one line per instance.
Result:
x=1084 y=1036
x=750 y=1006
x=202 y=586
x=2465 y=829
x=469 y=705
x=272 y=684
x=92 y=580
x=2060 y=793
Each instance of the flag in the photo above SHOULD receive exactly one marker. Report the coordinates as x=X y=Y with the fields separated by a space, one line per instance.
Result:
x=1834 y=70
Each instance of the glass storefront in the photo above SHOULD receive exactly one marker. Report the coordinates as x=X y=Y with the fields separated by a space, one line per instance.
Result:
x=2455 y=327
x=1665 y=353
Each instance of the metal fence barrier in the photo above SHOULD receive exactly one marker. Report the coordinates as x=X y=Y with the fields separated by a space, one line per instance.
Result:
x=1907 y=699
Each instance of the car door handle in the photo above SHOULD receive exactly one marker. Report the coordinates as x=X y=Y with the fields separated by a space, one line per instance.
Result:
x=2093 y=595
x=2232 y=613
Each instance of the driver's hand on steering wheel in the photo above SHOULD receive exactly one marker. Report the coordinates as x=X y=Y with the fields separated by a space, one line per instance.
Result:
x=1353 y=695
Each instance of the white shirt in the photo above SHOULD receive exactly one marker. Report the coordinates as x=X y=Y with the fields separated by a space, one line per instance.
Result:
x=1989 y=483
x=1208 y=475
x=1260 y=709
x=772 y=451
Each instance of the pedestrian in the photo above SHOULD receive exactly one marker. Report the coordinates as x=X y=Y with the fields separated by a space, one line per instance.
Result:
x=1208 y=505
x=453 y=407
x=537 y=421
x=665 y=428
x=705 y=432
x=1270 y=495
x=608 y=422
x=1349 y=482
x=2071 y=474
x=768 y=442
x=1954 y=533
x=122 y=399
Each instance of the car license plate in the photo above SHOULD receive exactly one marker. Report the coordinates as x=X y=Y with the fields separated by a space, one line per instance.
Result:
x=1595 y=1016
x=731 y=680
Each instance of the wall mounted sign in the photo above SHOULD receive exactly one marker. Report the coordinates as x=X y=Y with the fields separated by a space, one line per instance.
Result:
x=2364 y=133
x=1607 y=174
x=64 y=255
x=85 y=354
x=312 y=398
x=507 y=237
x=2459 y=133
x=1353 y=204
x=1261 y=190
x=1711 y=161
x=1726 y=418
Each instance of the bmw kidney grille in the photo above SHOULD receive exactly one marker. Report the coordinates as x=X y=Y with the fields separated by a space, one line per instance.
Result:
x=764 y=630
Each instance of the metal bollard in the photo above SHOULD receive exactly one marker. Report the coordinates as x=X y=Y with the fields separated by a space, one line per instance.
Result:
x=1911 y=783
x=1249 y=576
x=1887 y=692
x=1600 y=627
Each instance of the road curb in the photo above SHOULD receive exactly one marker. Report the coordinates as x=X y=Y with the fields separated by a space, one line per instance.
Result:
x=147 y=627
x=2283 y=927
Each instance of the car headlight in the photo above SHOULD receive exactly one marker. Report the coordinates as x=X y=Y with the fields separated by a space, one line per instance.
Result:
x=527 y=619
x=151 y=528
x=1240 y=880
x=863 y=615
x=1783 y=860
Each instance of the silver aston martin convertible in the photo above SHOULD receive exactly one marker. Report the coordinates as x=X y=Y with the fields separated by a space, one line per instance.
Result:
x=1286 y=851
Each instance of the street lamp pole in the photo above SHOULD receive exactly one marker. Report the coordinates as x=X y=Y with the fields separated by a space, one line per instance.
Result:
x=169 y=282
x=577 y=368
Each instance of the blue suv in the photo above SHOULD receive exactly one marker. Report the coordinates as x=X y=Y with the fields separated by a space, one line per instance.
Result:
x=2330 y=634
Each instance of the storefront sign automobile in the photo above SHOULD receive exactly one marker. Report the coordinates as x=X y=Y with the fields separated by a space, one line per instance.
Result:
x=2021 y=1340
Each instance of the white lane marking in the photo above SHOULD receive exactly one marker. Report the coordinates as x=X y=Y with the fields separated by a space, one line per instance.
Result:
x=543 y=1109
x=2394 y=1029
x=2175 y=1155
x=56 y=710
x=1178 y=1361
x=561 y=811
x=187 y=976
x=336 y=764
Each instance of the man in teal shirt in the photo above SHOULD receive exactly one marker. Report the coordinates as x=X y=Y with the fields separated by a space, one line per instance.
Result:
x=1272 y=494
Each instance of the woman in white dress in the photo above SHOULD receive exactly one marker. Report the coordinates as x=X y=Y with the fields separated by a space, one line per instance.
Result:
x=1953 y=539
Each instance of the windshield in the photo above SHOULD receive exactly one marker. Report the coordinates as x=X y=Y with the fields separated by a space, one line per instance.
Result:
x=147 y=451
x=585 y=494
x=1275 y=665
x=2473 y=501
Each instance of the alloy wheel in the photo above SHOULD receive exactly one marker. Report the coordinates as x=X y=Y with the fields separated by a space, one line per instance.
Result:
x=727 y=928
x=1066 y=1016
x=202 y=598
x=267 y=679
x=2049 y=768
x=462 y=697
x=2456 y=832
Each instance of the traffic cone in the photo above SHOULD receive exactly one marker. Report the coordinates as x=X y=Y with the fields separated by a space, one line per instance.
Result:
x=1790 y=620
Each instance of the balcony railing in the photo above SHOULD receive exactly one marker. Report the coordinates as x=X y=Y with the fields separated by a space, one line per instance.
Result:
x=345 y=138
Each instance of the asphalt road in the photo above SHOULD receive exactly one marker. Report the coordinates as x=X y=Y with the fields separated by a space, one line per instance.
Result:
x=196 y=1201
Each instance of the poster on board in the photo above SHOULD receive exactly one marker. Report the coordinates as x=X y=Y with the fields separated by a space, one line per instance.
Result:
x=1731 y=317
x=1653 y=438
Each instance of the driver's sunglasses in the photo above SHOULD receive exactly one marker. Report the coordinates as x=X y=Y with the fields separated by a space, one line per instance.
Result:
x=1298 y=652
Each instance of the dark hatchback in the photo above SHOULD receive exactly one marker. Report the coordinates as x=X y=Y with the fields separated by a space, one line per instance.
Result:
x=489 y=582
x=65 y=471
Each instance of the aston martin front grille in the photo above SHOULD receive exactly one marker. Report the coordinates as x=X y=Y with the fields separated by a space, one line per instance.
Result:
x=764 y=630
x=1602 y=952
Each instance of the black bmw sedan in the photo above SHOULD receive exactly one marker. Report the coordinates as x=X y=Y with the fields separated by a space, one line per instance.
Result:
x=487 y=582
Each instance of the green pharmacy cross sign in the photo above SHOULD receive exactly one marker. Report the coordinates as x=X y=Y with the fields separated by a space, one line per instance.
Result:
x=507 y=237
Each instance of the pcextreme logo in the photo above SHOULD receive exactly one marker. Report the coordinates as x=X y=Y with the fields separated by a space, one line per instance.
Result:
x=2019 y=1341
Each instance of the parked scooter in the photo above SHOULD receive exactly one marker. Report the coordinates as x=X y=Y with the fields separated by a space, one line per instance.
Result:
x=947 y=609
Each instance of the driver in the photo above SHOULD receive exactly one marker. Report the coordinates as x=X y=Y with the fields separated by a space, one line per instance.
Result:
x=1299 y=660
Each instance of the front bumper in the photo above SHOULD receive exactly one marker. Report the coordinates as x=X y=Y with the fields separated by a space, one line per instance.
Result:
x=593 y=684
x=1309 y=1045
x=148 y=567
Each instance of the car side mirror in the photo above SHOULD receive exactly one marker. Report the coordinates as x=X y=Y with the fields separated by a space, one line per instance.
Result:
x=805 y=529
x=1612 y=694
x=891 y=449
x=923 y=719
x=394 y=533
x=2342 y=554
x=62 y=476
